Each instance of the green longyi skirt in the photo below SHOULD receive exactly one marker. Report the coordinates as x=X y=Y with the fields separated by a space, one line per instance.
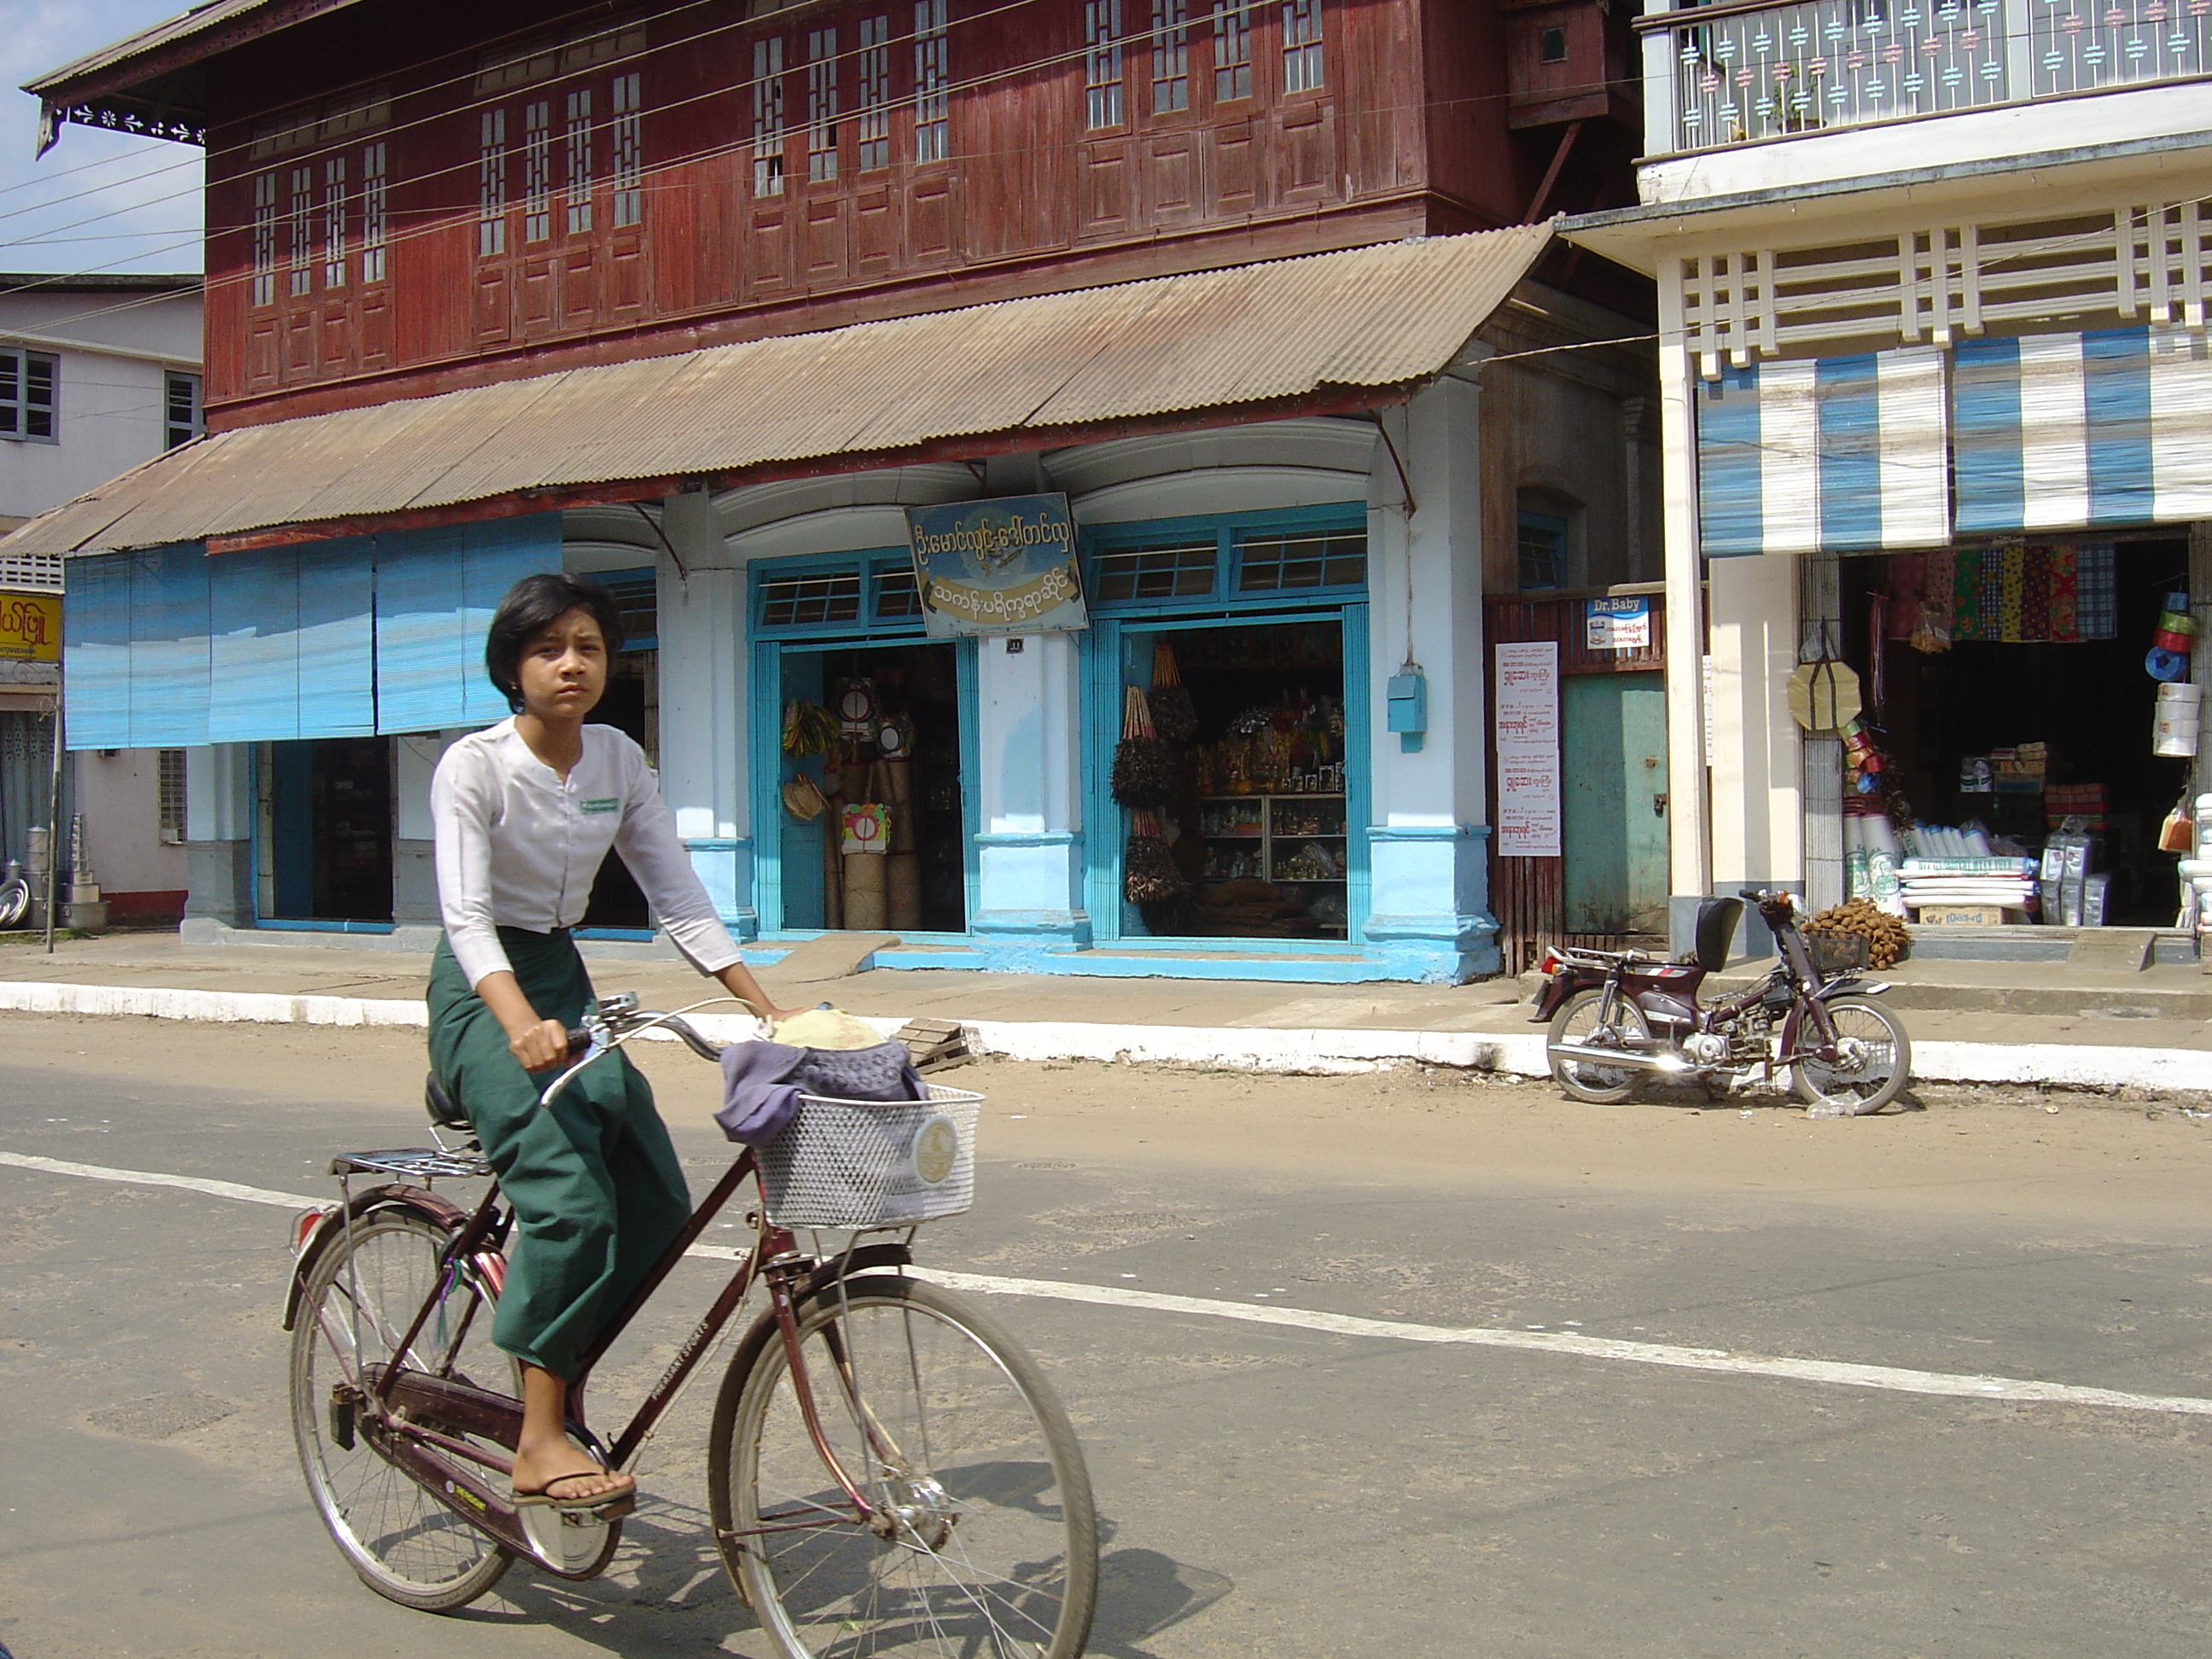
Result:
x=597 y=1190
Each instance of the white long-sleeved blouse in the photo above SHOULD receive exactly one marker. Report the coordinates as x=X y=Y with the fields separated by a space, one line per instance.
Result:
x=518 y=847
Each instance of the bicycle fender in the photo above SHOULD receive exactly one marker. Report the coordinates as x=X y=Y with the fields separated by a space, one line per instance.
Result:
x=1849 y=986
x=433 y=1208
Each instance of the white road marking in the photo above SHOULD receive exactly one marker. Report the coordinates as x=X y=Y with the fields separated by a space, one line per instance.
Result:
x=230 y=1189
x=1891 y=1379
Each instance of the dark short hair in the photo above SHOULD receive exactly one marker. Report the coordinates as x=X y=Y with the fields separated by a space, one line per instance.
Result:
x=532 y=605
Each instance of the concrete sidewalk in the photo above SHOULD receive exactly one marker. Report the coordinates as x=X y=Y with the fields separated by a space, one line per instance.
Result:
x=1976 y=1022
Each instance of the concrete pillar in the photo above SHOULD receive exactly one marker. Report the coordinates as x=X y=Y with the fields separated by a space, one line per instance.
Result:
x=1757 y=802
x=218 y=839
x=703 y=693
x=1029 y=862
x=1428 y=834
x=1689 y=846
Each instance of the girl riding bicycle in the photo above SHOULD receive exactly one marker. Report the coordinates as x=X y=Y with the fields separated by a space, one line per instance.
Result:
x=525 y=812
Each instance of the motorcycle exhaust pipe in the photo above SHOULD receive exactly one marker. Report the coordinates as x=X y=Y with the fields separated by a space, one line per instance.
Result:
x=1626 y=1060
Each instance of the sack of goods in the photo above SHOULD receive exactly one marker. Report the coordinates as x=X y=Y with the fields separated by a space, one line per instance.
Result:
x=2010 y=884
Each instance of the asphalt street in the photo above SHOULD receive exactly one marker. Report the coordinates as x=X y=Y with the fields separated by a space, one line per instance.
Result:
x=1288 y=1490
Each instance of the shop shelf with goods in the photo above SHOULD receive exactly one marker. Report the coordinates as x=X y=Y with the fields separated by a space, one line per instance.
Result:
x=1287 y=838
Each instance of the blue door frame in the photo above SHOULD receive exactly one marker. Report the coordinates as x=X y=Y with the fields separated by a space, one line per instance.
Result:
x=770 y=767
x=1106 y=648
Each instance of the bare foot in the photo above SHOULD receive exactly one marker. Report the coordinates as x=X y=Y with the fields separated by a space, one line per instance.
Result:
x=568 y=1476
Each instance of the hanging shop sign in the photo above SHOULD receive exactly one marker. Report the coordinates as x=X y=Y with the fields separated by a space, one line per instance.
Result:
x=1623 y=624
x=30 y=627
x=1005 y=566
x=1526 y=710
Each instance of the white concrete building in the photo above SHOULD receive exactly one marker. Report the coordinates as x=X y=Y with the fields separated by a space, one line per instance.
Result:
x=97 y=374
x=1935 y=403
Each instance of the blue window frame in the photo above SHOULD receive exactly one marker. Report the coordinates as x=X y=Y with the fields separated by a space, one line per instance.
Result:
x=871 y=593
x=1290 y=556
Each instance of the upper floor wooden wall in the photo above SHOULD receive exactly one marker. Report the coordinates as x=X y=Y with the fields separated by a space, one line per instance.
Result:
x=395 y=208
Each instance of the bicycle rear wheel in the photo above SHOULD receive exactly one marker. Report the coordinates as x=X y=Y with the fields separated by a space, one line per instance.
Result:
x=405 y=1544
x=984 y=1544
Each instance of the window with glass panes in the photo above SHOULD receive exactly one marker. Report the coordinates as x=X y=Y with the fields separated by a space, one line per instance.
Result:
x=768 y=116
x=821 y=104
x=180 y=401
x=896 y=594
x=933 y=76
x=1167 y=570
x=1543 y=547
x=626 y=165
x=790 y=601
x=874 y=71
x=1301 y=65
x=1232 y=50
x=1313 y=558
x=172 y=796
x=1170 y=58
x=578 y=133
x=28 y=387
x=1102 y=62
x=537 y=171
x=372 y=185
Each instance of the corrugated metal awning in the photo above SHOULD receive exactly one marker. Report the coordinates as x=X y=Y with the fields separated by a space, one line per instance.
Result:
x=1254 y=336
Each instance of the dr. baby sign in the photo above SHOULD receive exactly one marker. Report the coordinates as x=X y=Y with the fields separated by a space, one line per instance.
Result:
x=30 y=627
x=1005 y=566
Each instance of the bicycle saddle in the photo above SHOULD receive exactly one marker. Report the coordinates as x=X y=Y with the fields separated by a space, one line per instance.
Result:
x=443 y=1110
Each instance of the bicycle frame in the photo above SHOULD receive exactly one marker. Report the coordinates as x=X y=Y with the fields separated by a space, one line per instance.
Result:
x=398 y=1404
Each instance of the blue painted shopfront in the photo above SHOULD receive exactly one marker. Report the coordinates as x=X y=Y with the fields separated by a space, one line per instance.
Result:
x=1170 y=579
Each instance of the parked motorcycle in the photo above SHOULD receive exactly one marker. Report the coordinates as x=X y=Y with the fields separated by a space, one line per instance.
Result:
x=1620 y=1017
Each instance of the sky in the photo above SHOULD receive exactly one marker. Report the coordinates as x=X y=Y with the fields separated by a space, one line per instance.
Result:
x=99 y=201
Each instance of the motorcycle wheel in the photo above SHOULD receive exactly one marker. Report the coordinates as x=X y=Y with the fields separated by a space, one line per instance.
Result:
x=1873 y=1065
x=1577 y=1023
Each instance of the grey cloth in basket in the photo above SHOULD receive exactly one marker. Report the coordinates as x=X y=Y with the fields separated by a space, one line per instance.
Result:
x=761 y=1083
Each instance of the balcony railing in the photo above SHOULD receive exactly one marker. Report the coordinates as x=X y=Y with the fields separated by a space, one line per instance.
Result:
x=1731 y=74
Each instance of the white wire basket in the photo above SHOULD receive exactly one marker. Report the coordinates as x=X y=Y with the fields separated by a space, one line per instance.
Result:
x=861 y=1163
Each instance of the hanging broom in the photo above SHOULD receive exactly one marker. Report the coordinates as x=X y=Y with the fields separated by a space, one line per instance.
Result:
x=1144 y=766
x=1175 y=717
x=1149 y=874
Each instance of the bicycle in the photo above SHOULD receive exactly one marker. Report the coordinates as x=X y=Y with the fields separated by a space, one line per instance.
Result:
x=889 y=1472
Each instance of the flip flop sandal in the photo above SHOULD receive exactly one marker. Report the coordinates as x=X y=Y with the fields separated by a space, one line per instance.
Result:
x=601 y=1504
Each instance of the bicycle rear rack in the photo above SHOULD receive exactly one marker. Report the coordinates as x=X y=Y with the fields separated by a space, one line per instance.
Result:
x=422 y=1163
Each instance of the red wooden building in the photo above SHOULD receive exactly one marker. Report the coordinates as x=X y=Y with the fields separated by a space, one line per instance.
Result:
x=407 y=201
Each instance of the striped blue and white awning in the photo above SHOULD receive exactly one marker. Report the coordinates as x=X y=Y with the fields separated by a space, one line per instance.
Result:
x=2076 y=431
x=1841 y=454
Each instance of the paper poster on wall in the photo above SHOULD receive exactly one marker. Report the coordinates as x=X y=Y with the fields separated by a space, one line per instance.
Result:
x=1525 y=715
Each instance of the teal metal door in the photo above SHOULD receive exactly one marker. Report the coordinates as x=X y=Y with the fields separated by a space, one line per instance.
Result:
x=1614 y=799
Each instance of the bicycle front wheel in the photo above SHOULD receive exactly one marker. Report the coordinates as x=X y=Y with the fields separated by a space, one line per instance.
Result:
x=981 y=1540
x=360 y=1297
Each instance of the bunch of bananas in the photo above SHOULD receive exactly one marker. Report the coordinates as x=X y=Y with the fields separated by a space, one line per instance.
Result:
x=808 y=729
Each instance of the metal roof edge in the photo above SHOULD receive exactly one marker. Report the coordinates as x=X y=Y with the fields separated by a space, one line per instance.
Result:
x=120 y=64
x=1407 y=285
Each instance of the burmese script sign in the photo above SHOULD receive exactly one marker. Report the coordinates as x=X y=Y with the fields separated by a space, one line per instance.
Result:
x=1525 y=708
x=999 y=567
x=30 y=627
